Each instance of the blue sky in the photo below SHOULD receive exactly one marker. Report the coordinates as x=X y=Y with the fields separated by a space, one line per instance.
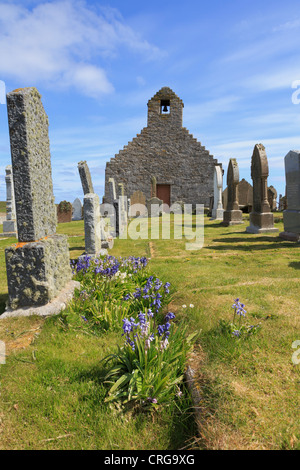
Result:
x=96 y=64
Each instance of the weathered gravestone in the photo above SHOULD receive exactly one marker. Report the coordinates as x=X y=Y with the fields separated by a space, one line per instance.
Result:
x=92 y=227
x=10 y=224
x=272 y=196
x=38 y=267
x=153 y=187
x=217 y=210
x=122 y=201
x=114 y=214
x=137 y=204
x=85 y=176
x=261 y=217
x=155 y=206
x=291 y=215
x=245 y=196
x=112 y=190
x=64 y=212
x=232 y=215
x=77 y=209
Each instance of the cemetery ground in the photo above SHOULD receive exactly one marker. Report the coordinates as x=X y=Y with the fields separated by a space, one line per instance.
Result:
x=51 y=392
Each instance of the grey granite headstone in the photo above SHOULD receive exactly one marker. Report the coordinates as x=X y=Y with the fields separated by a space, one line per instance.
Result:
x=122 y=207
x=112 y=190
x=92 y=226
x=37 y=267
x=77 y=209
x=261 y=217
x=31 y=164
x=85 y=176
x=291 y=215
x=233 y=215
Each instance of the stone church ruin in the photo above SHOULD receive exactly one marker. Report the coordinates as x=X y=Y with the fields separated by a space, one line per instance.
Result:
x=166 y=151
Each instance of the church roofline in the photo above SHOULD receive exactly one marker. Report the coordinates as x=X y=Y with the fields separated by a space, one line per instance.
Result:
x=166 y=93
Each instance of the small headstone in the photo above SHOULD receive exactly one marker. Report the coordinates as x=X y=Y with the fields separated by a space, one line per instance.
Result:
x=282 y=203
x=233 y=215
x=291 y=215
x=85 y=176
x=217 y=210
x=154 y=206
x=64 y=212
x=77 y=209
x=272 y=196
x=245 y=192
x=137 y=201
x=261 y=217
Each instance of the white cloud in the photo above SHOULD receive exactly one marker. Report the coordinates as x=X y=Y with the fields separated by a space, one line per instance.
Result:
x=64 y=43
x=288 y=25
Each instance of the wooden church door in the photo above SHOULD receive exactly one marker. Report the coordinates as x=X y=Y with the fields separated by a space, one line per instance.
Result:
x=163 y=192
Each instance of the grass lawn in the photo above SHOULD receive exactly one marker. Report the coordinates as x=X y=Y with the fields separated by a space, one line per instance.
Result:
x=50 y=393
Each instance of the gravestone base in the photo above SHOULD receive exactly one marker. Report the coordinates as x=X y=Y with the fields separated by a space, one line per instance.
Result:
x=217 y=214
x=82 y=258
x=10 y=226
x=291 y=221
x=37 y=271
x=290 y=236
x=54 y=307
x=234 y=217
x=261 y=223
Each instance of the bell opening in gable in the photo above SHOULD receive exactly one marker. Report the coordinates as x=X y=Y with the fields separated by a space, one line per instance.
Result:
x=165 y=107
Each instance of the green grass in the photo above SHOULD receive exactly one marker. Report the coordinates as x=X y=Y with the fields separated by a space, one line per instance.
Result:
x=51 y=396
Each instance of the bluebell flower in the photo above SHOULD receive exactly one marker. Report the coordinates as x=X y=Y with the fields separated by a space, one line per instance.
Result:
x=170 y=316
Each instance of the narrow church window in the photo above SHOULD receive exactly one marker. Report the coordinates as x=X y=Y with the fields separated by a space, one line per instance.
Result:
x=165 y=107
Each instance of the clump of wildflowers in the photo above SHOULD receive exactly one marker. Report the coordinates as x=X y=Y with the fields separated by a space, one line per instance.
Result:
x=237 y=328
x=152 y=294
x=143 y=330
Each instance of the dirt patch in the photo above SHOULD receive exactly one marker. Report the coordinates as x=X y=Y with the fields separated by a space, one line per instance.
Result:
x=152 y=252
x=19 y=334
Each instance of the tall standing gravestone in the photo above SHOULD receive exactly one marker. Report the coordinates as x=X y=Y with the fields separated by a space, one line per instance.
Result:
x=217 y=211
x=261 y=217
x=291 y=214
x=38 y=267
x=233 y=215
x=92 y=227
